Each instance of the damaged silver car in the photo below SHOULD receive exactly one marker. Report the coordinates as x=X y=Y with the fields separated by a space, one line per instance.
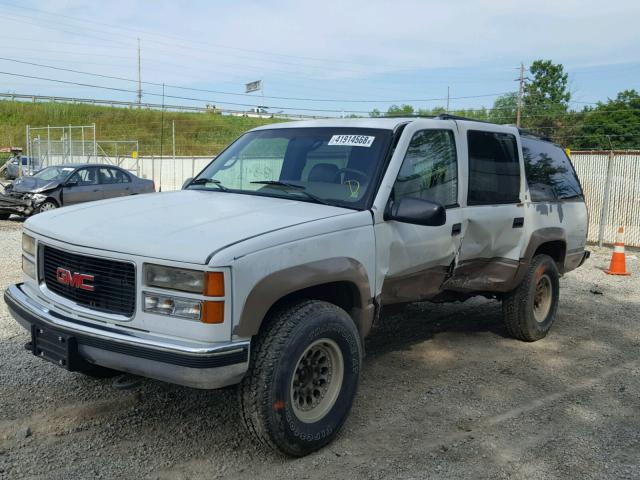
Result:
x=61 y=185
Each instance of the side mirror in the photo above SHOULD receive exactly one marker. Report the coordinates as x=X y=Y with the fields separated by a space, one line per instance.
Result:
x=71 y=184
x=186 y=182
x=417 y=212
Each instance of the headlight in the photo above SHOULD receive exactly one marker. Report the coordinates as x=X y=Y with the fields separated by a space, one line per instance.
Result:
x=28 y=267
x=176 y=307
x=184 y=280
x=28 y=245
x=206 y=312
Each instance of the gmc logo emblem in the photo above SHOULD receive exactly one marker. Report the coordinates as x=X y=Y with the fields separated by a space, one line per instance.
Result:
x=75 y=280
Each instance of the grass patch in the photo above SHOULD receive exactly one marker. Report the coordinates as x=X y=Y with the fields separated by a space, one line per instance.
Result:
x=196 y=133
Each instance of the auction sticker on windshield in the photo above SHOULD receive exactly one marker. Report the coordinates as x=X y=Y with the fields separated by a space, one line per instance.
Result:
x=352 y=140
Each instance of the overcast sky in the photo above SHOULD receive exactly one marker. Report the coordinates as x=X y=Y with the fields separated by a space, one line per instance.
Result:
x=392 y=51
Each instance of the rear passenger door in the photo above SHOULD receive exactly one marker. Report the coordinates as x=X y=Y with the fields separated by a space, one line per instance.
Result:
x=493 y=217
x=113 y=182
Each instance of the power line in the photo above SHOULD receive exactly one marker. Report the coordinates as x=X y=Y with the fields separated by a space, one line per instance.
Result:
x=84 y=21
x=249 y=95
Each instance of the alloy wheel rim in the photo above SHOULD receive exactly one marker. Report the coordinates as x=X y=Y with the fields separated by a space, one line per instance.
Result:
x=47 y=206
x=317 y=380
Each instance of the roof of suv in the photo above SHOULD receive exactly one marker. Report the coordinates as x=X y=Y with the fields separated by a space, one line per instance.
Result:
x=385 y=123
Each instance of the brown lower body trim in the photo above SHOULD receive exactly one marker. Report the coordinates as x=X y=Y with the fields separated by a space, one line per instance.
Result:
x=413 y=287
x=573 y=259
x=483 y=275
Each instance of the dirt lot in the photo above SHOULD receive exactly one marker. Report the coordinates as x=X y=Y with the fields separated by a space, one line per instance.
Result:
x=444 y=394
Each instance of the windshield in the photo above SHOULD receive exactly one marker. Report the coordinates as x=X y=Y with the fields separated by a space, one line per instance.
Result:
x=54 y=173
x=337 y=166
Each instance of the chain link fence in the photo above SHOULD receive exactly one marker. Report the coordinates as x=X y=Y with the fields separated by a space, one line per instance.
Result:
x=611 y=184
x=610 y=180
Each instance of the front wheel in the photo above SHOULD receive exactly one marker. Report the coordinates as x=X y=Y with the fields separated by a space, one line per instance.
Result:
x=46 y=206
x=302 y=379
x=530 y=310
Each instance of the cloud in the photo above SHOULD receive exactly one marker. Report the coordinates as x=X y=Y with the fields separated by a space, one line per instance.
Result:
x=298 y=44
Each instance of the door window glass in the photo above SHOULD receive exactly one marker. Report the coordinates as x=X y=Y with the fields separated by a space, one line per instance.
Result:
x=120 y=176
x=494 y=169
x=430 y=169
x=106 y=176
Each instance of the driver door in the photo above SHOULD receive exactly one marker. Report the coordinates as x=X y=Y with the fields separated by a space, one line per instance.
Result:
x=414 y=260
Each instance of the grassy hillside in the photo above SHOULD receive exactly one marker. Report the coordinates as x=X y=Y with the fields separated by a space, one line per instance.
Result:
x=196 y=133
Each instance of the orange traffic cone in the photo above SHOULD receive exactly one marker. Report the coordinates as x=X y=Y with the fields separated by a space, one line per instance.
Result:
x=618 y=260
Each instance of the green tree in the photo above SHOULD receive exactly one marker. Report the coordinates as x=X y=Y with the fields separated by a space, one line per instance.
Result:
x=546 y=98
x=504 y=109
x=399 y=111
x=614 y=124
x=374 y=113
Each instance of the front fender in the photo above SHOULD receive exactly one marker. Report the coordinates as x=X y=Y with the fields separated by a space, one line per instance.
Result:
x=278 y=285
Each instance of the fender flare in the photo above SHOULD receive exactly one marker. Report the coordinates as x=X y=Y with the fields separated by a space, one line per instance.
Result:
x=279 y=284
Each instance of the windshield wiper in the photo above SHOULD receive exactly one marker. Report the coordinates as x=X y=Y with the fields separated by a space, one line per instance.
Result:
x=302 y=189
x=204 y=181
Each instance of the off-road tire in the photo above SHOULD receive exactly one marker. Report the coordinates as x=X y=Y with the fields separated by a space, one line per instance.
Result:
x=518 y=306
x=266 y=395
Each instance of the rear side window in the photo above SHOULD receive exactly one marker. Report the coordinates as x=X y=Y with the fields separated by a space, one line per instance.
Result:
x=494 y=169
x=429 y=170
x=549 y=172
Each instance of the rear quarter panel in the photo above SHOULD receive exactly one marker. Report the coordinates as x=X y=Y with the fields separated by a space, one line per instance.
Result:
x=570 y=216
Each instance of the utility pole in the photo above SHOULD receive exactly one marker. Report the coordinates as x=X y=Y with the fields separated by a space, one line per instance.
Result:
x=520 y=96
x=447 y=99
x=161 y=139
x=139 y=78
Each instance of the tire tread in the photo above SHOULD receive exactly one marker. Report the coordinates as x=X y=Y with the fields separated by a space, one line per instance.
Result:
x=265 y=354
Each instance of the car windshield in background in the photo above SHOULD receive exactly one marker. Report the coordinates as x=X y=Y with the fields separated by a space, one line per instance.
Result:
x=337 y=166
x=54 y=173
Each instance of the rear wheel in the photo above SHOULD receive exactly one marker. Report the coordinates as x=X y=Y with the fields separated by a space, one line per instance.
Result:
x=302 y=378
x=530 y=310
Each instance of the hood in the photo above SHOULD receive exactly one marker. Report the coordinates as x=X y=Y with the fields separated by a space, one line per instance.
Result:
x=33 y=185
x=185 y=226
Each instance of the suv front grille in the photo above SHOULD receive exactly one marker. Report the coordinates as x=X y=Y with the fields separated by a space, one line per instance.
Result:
x=114 y=282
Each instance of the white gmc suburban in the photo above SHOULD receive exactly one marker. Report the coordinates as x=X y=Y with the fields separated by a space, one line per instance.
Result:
x=269 y=268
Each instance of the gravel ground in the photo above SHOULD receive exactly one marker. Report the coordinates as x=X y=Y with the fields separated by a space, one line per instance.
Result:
x=444 y=394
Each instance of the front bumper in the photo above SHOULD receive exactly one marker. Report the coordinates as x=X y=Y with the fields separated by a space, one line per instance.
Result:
x=19 y=203
x=185 y=363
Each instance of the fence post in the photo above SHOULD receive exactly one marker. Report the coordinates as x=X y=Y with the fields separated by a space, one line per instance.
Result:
x=48 y=147
x=605 y=199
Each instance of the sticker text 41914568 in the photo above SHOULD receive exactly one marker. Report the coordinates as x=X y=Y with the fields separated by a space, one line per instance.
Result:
x=352 y=140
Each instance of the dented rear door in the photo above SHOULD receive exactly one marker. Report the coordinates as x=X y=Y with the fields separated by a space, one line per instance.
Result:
x=493 y=211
